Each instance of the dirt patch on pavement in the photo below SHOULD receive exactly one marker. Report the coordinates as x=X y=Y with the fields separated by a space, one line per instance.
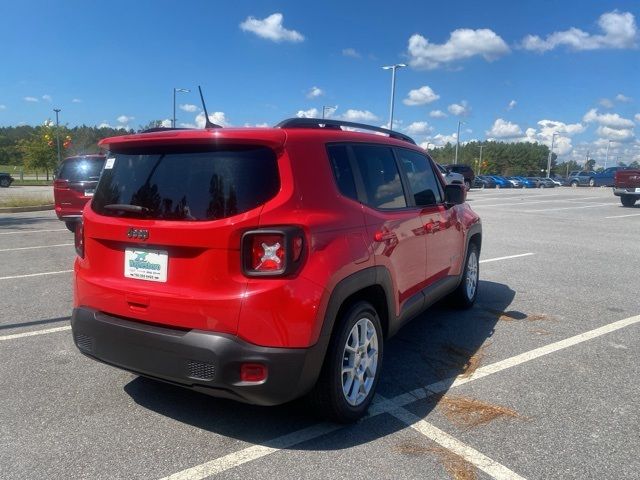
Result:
x=456 y=467
x=469 y=412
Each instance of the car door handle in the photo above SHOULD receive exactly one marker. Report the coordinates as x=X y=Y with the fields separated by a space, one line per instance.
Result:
x=432 y=227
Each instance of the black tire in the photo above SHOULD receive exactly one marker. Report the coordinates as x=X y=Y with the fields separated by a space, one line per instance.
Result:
x=467 y=185
x=541 y=185
x=327 y=397
x=628 y=200
x=574 y=184
x=461 y=297
x=71 y=226
x=5 y=182
x=592 y=182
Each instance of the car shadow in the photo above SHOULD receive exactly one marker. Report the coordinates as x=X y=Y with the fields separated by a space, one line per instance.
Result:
x=437 y=346
x=26 y=222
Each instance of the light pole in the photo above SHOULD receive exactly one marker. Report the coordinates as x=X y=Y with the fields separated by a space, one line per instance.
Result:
x=480 y=162
x=455 y=161
x=57 y=110
x=181 y=90
x=553 y=139
x=606 y=160
x=328 y=107
x=393 y=69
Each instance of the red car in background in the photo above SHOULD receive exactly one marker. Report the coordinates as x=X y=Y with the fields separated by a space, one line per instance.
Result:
x=74 y=185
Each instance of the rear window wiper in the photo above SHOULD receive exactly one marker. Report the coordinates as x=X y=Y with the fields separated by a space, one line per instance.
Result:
x=125 y=207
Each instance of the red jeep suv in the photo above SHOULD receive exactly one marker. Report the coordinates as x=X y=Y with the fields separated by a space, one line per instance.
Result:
x=74 y=185
x=265 y=264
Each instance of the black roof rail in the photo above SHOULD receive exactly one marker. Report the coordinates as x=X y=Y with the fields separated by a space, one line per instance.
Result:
x=337 y=124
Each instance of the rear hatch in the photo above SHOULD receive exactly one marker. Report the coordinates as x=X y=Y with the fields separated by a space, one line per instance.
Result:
x=162 y=235
x=76 y=182
x=627 y=179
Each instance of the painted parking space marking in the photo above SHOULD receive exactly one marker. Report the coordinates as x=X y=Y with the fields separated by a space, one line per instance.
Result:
x=624 y=216
x=35 y=248
x=570 y=208
x=36 y=332
x=474 y=457
x=255 y=452
x=507 y=258
x=16 y=232
x=35 y=274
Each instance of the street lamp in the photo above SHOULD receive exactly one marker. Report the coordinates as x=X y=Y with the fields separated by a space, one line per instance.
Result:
x=427 y=146
x=553 y=139
x=328 y=107
x=57 y=110
x=606 y=160
x=460 y=122
x=480 y=162
x=181 y=90
x=393 y=69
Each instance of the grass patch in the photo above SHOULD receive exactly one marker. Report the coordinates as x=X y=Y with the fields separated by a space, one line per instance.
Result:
x=33 y=201
x=24 y=183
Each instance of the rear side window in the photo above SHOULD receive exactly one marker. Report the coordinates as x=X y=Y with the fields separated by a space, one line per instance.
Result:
x=422 y=178
x=198 y=184
x=81 y=169
x=339 y=158
x=380 y=176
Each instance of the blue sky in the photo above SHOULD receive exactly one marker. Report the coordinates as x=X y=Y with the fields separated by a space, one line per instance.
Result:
x=512 y=71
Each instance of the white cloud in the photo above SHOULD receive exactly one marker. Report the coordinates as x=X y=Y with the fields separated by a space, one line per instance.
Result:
x=257 y=125
x=47 y=98
x=615 y=134
x=315 y=92
x=504 y=129
x=359 y=116
x=511 y=105
x=31 y=99
x=441 y=139
x=606 y=103
x=216 y=117
x=463 y=43
x=188 y=125
x=619 y=30
x=437 y=114
x=351 y=52
x=418 y=128
x=637 y=117
x=421 y=96
x=188 y=107
x=3 y=107
x=607 y=119
x=76 y=100
x=271 y=28
x=166 y=123
x=124 y=119
x=104 y=125
x=461 y=109
x=623 y=98
x=311 y=113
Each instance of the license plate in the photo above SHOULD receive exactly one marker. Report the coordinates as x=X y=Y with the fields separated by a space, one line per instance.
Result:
x=143 y=264
x=90 y=192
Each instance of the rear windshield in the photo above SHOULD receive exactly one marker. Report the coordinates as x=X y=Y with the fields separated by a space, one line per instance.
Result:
x=81 y=169
x=193 y=184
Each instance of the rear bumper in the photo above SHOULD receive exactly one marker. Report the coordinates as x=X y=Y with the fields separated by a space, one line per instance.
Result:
x=626 y=191
x=200 y=360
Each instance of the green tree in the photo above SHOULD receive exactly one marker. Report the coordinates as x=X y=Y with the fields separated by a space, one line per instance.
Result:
x=589 y=164
x=39 y=150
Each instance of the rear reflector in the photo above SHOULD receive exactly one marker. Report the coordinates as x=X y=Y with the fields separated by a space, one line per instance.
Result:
x=253 y=372
x=78 y=235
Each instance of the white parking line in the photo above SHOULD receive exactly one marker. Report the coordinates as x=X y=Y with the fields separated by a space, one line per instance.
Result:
x=240 y=457
x=36 y=332
x=35 y=274
x=34 y=248
x=474 y=457
x=568 y=208
x=33 y=231
x=506 y=258
x=623 y=216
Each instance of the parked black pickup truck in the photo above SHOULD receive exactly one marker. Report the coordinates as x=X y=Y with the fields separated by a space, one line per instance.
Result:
x=5 y=180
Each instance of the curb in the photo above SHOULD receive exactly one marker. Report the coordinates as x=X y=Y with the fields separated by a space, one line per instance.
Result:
x=35 y=208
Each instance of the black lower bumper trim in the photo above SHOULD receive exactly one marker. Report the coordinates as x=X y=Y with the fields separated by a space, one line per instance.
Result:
x=205 y=361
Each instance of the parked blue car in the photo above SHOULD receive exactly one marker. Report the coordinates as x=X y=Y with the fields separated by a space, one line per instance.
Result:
x=527 y=183
x=501 y=182
x=606 y=178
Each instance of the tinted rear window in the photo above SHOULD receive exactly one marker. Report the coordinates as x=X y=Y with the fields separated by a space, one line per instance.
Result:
x=197 y=184
x=81 y=169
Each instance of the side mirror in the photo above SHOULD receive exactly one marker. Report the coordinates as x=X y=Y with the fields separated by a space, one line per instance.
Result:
x=454 y=194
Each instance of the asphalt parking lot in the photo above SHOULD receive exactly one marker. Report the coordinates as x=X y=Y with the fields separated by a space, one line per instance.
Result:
x=539 y=380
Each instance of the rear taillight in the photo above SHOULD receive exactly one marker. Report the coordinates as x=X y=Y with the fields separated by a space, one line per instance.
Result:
x=60 y=183
x=272 y=252
x=78 y=234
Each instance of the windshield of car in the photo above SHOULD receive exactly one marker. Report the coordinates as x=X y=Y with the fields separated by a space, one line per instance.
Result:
x=192 y=184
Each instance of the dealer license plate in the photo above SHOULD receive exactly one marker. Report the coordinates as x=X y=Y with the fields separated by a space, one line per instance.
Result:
x=146 y=264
